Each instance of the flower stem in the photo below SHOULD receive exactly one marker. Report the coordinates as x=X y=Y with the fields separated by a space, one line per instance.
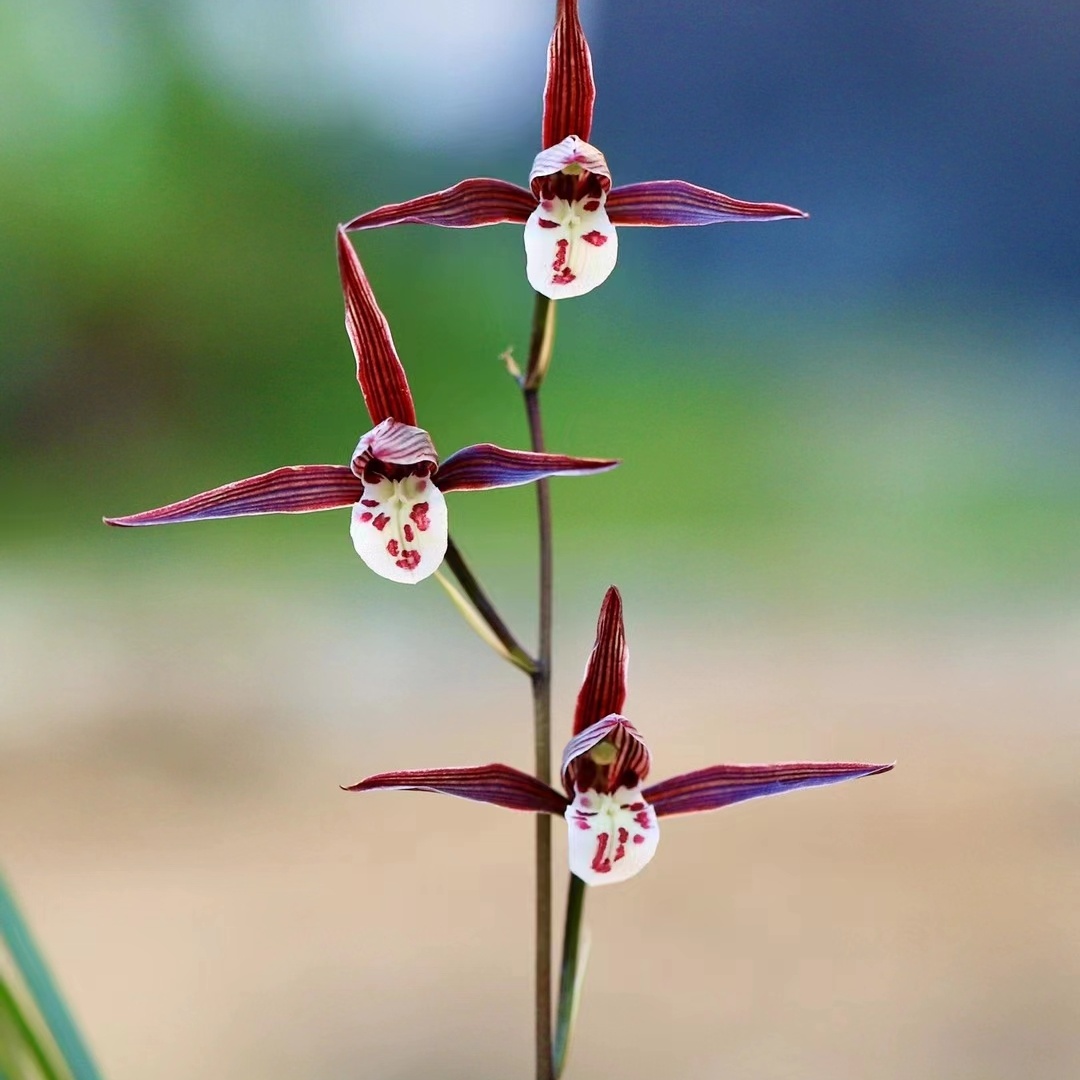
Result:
x=571 y=972
x=540 y=344
x=475 y=592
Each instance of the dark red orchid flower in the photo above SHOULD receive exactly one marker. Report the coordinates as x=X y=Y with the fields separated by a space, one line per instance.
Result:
x=570 y=209
x=612 y=818
x=394 y=482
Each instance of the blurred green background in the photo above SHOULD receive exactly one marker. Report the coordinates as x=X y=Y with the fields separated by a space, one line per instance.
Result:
x=846 y=522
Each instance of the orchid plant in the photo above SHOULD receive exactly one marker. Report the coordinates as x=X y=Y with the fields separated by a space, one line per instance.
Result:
x=570 y=209
x=395 y=485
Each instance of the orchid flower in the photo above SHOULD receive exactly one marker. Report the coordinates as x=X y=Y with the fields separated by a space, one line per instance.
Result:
x=613 y=820
x=570 y=209
x=394 y=482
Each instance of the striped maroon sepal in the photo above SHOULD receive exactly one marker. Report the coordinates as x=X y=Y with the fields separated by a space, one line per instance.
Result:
x=378 y=369
x=477 y=468
x=603 y=690
x=474 y=202
x=604 y=757
x=294 y=489
x=497 y=784
x=570 y=92
x=676 y=202
x=722 y=785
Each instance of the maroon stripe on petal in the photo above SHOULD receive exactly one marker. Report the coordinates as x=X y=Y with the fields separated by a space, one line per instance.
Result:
x=378 y=369
x=295 y=489
x=476 y=468
x=570 y=91
x=603 y=690
x=676 y=202
x=474 y=202
x=722 y=785
x=498 y=784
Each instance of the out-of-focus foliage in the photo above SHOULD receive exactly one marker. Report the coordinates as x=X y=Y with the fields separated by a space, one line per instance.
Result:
x=172 y=320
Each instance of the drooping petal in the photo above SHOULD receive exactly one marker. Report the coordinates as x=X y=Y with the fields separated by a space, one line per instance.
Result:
x=498 y=784
x=722 y=785
x=569 y=92
x=395 y=444
x=608 y=755
x=676 y=202
x=294 y=489
x=611 y=837
x=399 y=527
x=603 y=690
x=573 y=157
x=378 y=369
x=569 y=250
x=474 y=202
x=476 y=468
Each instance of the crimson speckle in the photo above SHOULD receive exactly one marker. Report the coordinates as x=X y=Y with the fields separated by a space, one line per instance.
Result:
x=638 y=838
x=408 y=531
x=545 y=224
x=366 y=516
x=381 y=522
x=419 y=516
x=592 y=205
x=392 y=549
x=599 y=863
x=560 y=255
x=597 y=239
x=410 y=559
x=369 y=502
x=642 y=819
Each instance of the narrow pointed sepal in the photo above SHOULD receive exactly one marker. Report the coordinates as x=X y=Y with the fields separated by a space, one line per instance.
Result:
x=675 y=202
x=722 y=785
x=607 y=755
x=468 y=205
x=294 y=489
x=611 y=837
x=378 y=370
x=570 y=92
x=497 y=784
x=477 y=468
x=603 y=690
x=399 y=527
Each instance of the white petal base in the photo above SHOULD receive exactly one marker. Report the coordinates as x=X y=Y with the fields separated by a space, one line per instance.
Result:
x=399 y=528
x=611 y=837
x=570 y=247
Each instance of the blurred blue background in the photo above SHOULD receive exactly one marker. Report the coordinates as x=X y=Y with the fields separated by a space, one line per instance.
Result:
x=846 y=524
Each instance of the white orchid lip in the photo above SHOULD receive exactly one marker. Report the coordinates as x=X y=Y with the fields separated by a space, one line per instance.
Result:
x=399 y=526
x=611 y=837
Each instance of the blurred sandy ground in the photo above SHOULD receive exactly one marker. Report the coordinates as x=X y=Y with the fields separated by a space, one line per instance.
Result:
x=215 y=906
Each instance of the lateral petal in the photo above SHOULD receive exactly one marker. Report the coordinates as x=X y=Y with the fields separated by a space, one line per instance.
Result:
x=569 y=250
x=570 y=92
x=378 y=369
x=477 y=468
x=497 y=784
x=294 y=489
x=467 y=205
x=399 y=528
x=611 y=837
x=607 y=755
x=722 y=785
x=395 y=444
x=603 y=690
x=676 y=202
